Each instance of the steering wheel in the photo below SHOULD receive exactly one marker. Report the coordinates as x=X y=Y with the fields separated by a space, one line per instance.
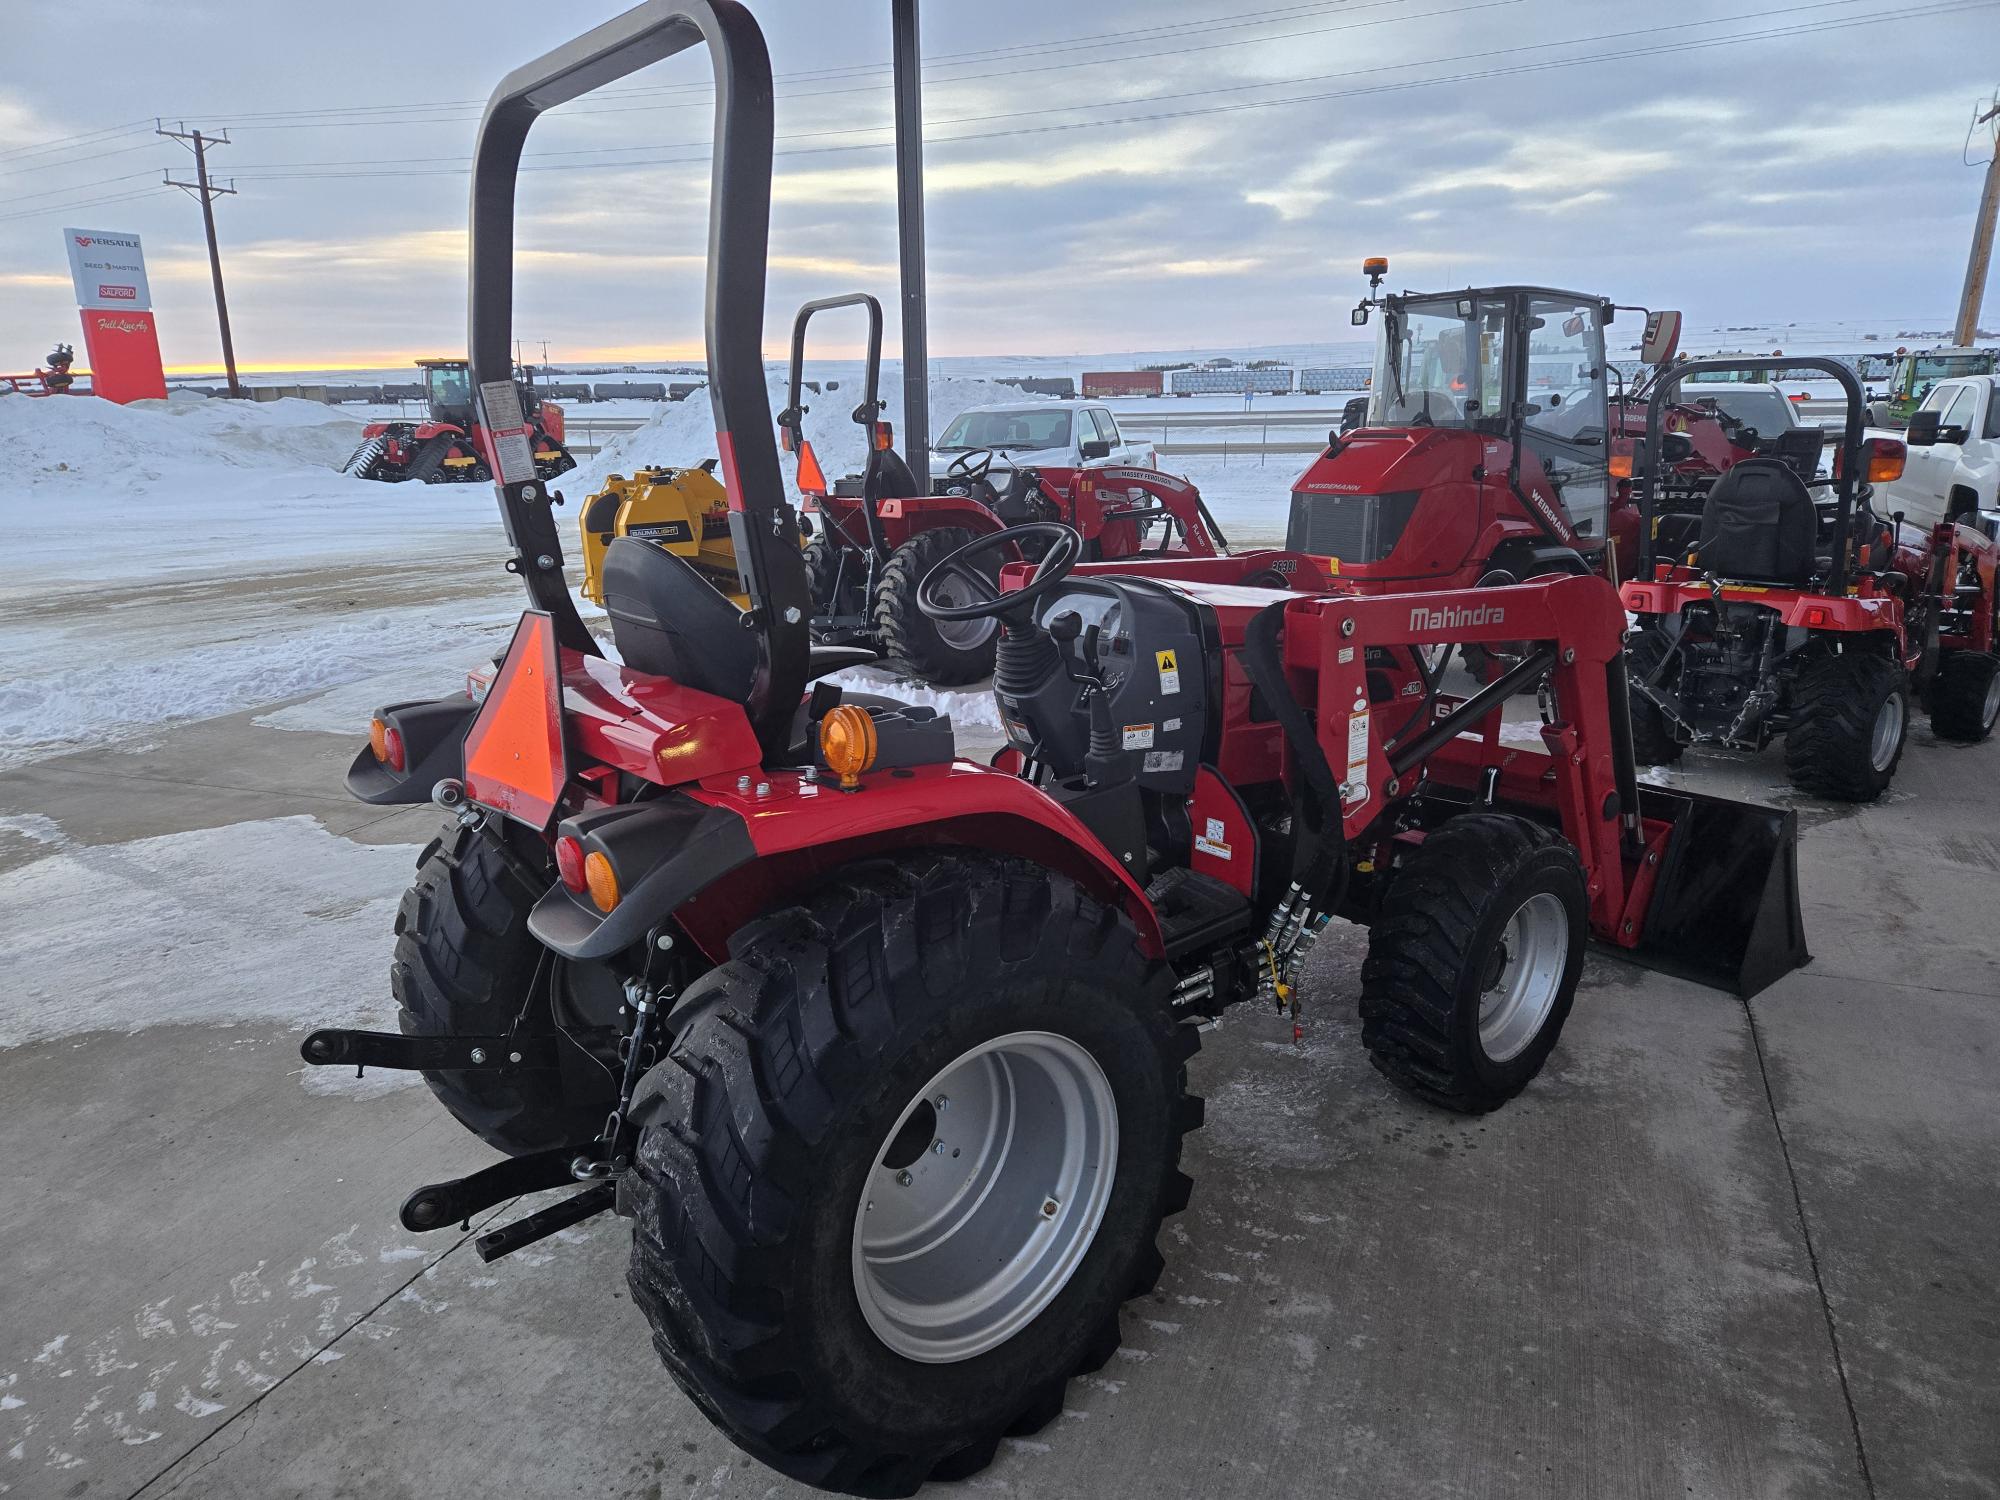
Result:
x=1065 y=545
x=963 y=467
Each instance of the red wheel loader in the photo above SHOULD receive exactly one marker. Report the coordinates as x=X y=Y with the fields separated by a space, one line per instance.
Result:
x=883 y=1052
x=878 y=533
x=448 y=446
x=1772 y=601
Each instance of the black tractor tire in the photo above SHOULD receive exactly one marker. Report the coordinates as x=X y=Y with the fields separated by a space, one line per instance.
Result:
x=1653 y=742
x=1965 y=696
x=562 y=463
x=1445 y=952
x=768 y=1127
x=909 y=638
x=463 y=966
x=1837 y=703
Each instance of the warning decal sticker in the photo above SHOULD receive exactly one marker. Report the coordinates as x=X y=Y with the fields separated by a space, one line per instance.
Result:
x=1170 y=671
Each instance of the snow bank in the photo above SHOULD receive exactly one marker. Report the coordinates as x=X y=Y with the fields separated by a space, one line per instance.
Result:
x=682 y=433
x=301 y=939
x=81 y=441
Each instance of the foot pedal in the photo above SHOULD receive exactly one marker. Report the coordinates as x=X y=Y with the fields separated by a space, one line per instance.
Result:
x=540 y=1225
x=439 y=1204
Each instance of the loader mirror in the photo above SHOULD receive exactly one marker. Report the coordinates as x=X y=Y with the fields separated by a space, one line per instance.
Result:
x=1676 y=448
x=1661 y=339
x=1353 y=414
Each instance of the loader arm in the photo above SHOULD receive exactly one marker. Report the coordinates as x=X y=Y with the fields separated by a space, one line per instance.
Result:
x=761 y=521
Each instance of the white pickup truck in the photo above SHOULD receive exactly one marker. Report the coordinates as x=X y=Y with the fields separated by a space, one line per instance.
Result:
x=1954 y=460
x=1036 y=435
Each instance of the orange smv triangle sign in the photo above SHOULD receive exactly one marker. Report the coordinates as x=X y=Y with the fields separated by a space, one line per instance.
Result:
x=514 y=761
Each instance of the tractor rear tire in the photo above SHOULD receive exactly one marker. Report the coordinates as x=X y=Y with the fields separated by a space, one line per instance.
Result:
x=1473 y=963
x=464 y=966
x=804 y=1114
x=1653 y=742
x=1965 y=696
x=822 y=568
x=944 y=652
x=1850 y=718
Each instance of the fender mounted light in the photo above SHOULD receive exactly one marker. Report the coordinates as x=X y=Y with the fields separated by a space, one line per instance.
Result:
x=601 y=880
x=847 y=743
x=1885 y=459
x=885 y=436
x=569 y=863
x=387 y=743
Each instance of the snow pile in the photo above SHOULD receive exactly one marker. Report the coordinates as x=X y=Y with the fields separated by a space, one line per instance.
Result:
x=682 y=433
x=82 y=441
x=301 y=938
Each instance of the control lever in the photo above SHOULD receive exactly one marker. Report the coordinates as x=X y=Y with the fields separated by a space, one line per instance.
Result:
x=1106 y=762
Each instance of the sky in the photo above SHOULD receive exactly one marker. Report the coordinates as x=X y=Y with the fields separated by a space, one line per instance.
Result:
x=1141 y=174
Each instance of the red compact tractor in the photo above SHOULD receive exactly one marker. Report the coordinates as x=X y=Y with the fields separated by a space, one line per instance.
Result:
x=1772 y=600
x=883 y=1052
x=448 y=446
x=879 y=534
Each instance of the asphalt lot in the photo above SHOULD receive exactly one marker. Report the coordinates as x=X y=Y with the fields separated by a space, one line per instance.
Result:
x=1716 y=1250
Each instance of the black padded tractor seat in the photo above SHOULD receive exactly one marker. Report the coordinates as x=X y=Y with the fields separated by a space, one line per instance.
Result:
x=1759 y=523
x=893 y=479
x=668 y=620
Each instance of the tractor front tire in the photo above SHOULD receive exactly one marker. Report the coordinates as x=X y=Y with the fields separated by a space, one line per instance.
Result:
x=464 y=966
x=945 y=652
x=1653 y=742
x=838 y=1288
x=1473 y=963
x=1965 y=696
x=1850 y=718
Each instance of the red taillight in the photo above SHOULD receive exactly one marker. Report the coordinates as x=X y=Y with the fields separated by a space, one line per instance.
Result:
x=392 y=747
x=569 y=863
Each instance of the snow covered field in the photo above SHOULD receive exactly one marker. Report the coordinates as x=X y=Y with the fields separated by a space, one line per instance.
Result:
x=173 y=561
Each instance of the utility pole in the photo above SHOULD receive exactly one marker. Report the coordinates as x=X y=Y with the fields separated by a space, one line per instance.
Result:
x=208 y=192
x=910 y=235
x=1982 y=237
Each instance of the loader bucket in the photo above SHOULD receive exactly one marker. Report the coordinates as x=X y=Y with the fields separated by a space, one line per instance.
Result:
x=1725 y=905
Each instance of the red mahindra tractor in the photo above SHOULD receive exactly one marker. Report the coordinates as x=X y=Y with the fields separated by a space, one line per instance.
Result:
x=879 y=534
x=884 y=1052
x=1765 y=609
x=448 y=446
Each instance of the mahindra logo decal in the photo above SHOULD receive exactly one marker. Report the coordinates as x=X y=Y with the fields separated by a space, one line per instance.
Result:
x=1457 y=617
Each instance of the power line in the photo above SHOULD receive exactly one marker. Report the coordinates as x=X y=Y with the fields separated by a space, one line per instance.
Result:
x=1938 y=7
x=65 y=208
x=15 y=153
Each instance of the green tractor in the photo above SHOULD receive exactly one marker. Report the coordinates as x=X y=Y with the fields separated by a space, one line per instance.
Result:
x=1908 y=378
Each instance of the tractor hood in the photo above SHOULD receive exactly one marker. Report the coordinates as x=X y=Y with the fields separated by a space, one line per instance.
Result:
x=1367 y=492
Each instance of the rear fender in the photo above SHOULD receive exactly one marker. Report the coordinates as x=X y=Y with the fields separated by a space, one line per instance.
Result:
x=712 y=858
x=433 y=748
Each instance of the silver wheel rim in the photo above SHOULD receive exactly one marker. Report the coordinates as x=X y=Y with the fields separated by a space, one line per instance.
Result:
x=1534 y=950
x=1990 y=710
x=960 y=635
x=1888 y=732
x=962 y=1238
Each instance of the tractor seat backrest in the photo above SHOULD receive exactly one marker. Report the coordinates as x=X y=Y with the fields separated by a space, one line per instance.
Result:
x=1759 y=523
x=893 y=479
x=668 y=620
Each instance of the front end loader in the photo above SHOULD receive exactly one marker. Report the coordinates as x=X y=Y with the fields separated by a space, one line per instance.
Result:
x=884 y=1053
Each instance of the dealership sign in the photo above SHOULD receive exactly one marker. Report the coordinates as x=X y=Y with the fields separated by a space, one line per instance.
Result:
x=120 y=341
x=108 y=268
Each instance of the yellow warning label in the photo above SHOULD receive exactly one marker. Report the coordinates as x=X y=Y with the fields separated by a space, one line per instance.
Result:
x=1166 y=661
x=1170 y=671
x=1333 y=567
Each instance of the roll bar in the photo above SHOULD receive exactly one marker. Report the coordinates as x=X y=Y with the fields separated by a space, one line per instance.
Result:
x=1845 y=486
x=761 y=521
x=792 y=418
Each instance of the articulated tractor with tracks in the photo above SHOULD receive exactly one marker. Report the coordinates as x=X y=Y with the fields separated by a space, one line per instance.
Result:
x=885 y=1053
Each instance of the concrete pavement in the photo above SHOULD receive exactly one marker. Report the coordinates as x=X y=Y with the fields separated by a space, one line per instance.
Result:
x=1715 y=1250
